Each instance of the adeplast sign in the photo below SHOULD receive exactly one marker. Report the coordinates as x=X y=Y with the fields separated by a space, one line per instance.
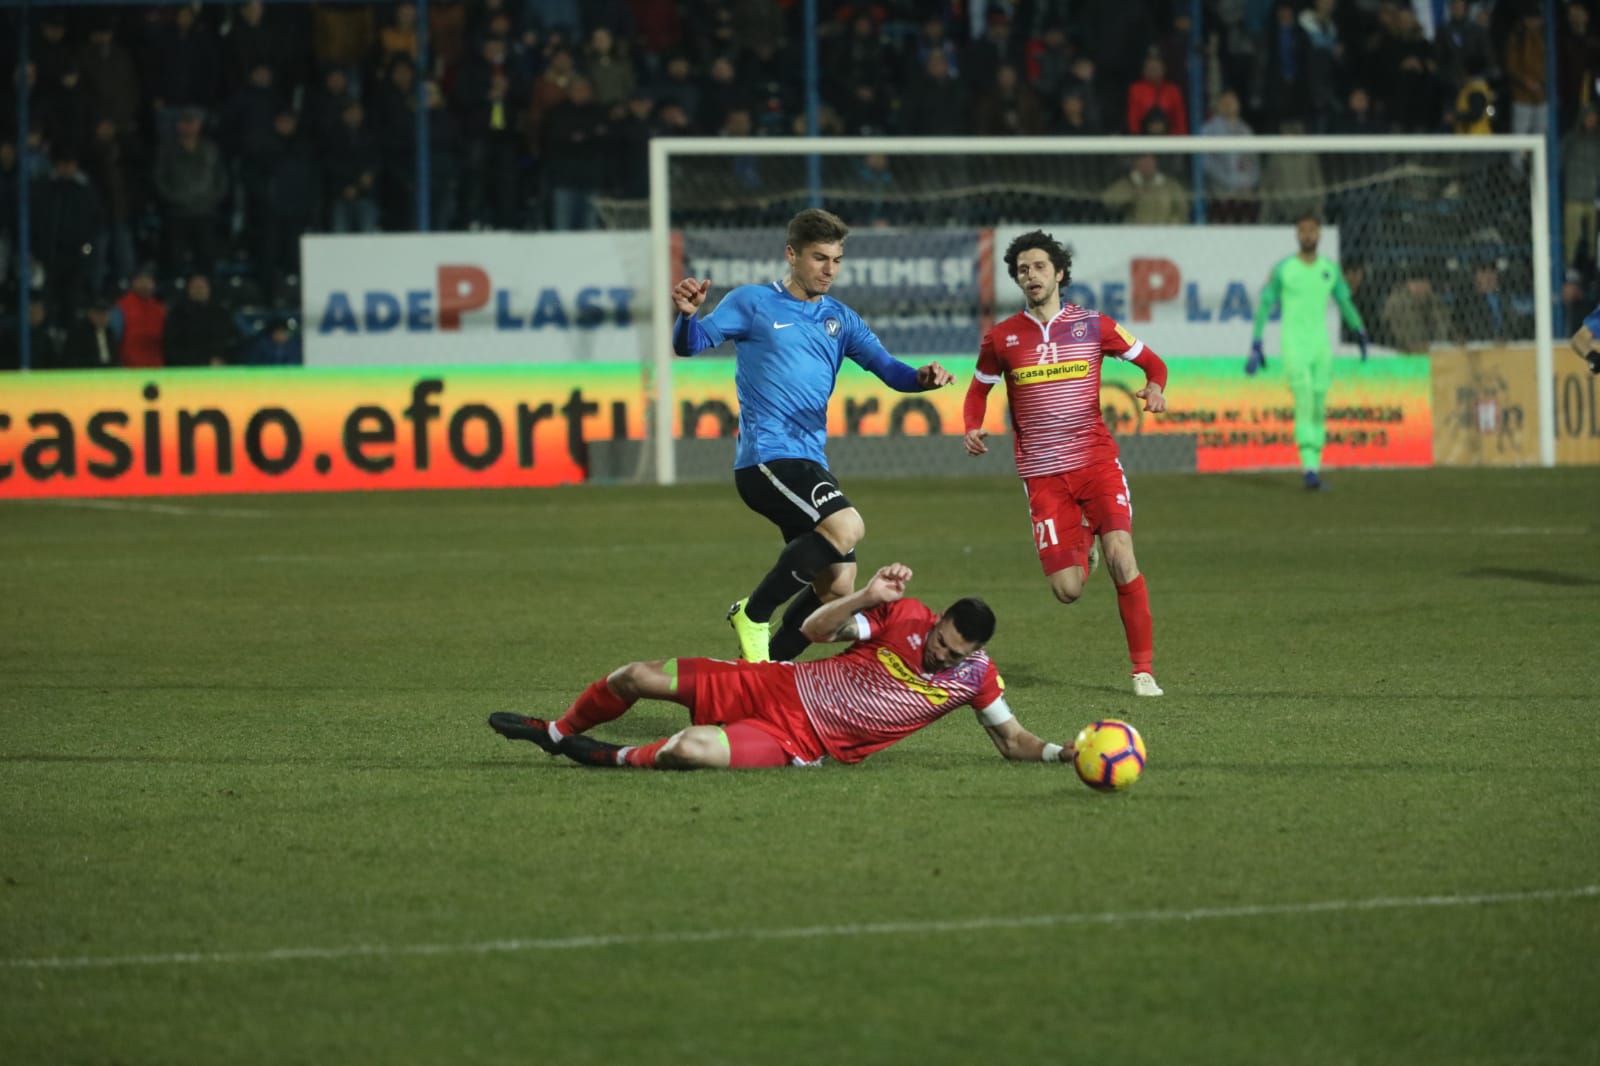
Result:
x=1183 y=290
x=414 y=300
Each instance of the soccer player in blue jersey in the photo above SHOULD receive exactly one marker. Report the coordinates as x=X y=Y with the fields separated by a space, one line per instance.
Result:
x=790 y=338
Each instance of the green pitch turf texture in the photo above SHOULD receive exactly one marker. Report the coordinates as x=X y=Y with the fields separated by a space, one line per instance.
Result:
x=250 y=811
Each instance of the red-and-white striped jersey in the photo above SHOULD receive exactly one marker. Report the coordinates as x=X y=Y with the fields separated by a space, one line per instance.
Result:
x=1052 y=375
x=875 y=693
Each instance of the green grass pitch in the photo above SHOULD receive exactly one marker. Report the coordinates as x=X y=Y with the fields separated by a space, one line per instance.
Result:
x=250 y=811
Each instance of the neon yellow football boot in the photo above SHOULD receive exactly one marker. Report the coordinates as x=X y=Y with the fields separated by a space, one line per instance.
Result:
x=753 y=635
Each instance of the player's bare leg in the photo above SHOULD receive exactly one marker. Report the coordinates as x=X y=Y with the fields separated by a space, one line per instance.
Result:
x=1133 y=603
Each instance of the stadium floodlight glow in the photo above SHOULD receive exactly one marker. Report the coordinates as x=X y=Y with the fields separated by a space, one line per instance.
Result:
x=1448 y=201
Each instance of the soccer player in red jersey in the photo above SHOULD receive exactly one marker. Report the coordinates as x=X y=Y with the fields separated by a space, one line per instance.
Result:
x=1049 y=356
x=906 y=668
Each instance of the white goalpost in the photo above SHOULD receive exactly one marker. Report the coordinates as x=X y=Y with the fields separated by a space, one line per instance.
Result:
x=1422 y=214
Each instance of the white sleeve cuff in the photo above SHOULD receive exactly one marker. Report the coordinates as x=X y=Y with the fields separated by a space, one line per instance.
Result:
x=863 y=627
x=1133 y=353
x=987 y=379
x=995 y=713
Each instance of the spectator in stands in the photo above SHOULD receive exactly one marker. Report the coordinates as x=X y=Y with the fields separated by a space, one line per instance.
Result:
x=1292 y=183
x=278 y=344
x=609 y=69
x=186 y=66
x=44 y=343
x=1145 y=196
x=490 y=94
x=1050 y=57
x=199 y=332
x=1474 y=104
x=444 y=143
x=1358 y=118
x=1363 y=295
x=1281 y=92
x=1410 y=89
x=1580 y=187
x=50 y=52
x=322 y=116
x=1232 y=178
x=248 y=135
x=934 y=103
x=89 y=343
x=111 y=80
x=68 y=222
x=391 y=117
x=342 y=34
x=1153 y=91
x=631 y=135
x=1483 y=311
x=676 y=86
x=116 y=167
x=350 y=174
x=1413 y=316
x=857 y=60
x=555 y=17
x=1577 y=63
x=549 y=89
x=1070 y=119
x=981 y=59
x=1461 y=47
x=576 y=142
x=399 y=37
x=934 y=40
x=64 y=109
x=447 y=33
x=1324 y=63
x=1008 y=107
x=1080 y=81
x=191 y=179
x=252 y=38
x=1525 y=73
x=140 y=320
x=291 y=204
x=722 y=92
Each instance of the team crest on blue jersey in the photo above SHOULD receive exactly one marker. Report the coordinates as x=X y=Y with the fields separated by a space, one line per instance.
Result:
x=832 y=325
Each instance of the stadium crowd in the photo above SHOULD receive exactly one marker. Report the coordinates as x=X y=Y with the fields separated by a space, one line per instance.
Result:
x=179 y=152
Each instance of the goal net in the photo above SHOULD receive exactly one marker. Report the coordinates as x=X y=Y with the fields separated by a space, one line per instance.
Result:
x=1443 y=242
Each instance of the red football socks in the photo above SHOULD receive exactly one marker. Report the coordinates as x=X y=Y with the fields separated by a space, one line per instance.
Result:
x=1133 y=603
x=597 y=704
x=644 y=756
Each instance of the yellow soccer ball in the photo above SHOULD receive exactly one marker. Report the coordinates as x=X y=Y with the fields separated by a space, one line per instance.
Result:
x=1110 y=755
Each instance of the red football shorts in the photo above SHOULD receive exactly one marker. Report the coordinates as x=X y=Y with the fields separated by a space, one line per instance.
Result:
x=1058 y=504
x=757 y=706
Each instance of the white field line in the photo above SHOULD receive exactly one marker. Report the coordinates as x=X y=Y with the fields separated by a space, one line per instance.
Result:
x=804 y=932
x=151 y=507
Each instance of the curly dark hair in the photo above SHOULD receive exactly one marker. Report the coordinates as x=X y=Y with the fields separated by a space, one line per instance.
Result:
x=1060 y=257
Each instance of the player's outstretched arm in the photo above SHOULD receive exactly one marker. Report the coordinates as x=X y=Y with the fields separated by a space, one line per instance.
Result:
x=836 y=621
x=1016 y=744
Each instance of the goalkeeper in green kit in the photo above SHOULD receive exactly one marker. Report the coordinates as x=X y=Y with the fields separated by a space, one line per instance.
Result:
x=1303 y=283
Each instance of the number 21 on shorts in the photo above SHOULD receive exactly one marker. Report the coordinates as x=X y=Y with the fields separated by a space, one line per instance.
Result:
x=1045 y=533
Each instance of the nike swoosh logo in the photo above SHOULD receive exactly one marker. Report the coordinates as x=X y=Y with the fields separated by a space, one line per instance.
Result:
x=782 y=325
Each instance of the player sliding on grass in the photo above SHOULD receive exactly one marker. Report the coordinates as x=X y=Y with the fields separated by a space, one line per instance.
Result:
x=906 y=668
x=790 y=338
x=1049 y=356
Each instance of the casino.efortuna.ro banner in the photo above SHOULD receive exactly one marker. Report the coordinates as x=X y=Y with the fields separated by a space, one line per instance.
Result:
x=182 y=432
